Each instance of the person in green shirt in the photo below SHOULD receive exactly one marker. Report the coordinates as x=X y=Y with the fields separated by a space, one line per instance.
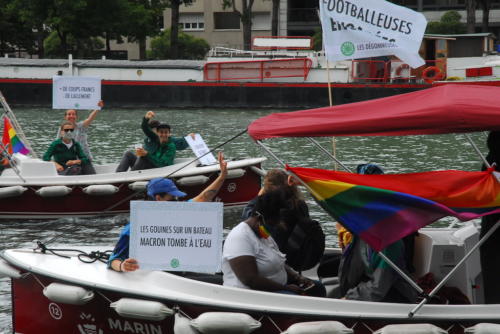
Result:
x=159 y=147
x=67 y=154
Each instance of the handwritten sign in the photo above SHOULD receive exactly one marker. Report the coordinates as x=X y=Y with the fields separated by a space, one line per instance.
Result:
x=176 y=236
x=200 y=148
x=75 y=92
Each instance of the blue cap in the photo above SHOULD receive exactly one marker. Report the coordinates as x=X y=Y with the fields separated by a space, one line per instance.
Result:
x=162 y=185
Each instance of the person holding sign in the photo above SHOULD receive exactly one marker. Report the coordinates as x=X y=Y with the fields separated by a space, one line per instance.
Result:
x=81 y=127
x=161 y=189
x=159 y=147
x=68 y=154
x=251 y=258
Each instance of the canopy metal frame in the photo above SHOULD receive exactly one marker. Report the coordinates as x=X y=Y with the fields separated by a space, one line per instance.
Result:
x=426 y=297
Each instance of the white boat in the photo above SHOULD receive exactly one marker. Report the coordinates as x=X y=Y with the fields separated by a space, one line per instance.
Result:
x=39 y=192
x=67 y=295
x=32 y=188
x=54 y=294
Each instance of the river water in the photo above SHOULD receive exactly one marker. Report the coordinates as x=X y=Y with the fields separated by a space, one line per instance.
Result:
x=117 y=130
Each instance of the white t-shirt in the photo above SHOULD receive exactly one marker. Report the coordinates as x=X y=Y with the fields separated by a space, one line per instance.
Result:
x=242 y=241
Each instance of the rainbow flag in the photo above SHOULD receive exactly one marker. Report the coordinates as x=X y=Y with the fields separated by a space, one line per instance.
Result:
x=11 y=140
x=382 y=209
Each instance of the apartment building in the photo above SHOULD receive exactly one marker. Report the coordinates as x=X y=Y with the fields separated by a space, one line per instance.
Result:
x=208 y=19
x=221 y=27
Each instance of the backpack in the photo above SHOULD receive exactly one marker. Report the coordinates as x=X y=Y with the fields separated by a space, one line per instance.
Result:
x=305 y=245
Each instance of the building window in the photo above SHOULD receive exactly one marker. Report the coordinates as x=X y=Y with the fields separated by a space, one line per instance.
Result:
x=226 y=20
x=261 y=21
x=192 y=22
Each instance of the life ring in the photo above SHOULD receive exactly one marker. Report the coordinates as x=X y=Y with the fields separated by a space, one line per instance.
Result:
x=400 y=69
x=431 y=74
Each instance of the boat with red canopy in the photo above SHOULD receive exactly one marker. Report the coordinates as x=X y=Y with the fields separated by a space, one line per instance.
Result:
x=105 y=301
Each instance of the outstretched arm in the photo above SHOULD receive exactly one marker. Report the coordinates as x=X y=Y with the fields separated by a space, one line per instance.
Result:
x=93 y=114
x=209 y=193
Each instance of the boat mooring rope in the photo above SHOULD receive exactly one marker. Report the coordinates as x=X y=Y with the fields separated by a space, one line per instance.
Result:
x=82 y=256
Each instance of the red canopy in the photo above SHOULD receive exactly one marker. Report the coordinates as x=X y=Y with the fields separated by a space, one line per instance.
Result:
x=449 y=108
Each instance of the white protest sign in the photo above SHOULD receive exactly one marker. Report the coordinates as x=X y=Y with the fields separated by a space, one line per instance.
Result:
x=200 y=148
x=75 y=92
x=176 y=236
x=371 y=28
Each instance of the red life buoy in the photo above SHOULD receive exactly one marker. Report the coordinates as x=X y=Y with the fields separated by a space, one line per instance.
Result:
x=431 y=74
x=400 y=68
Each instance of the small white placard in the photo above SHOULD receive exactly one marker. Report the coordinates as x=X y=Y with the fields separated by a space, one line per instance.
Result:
x=199 y=148
x=75 y=92
x=176 y=236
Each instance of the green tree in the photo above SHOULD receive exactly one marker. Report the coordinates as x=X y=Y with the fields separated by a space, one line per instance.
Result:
x=174 y=26
x=14 y=32
x=83 y=48
x=470 y=9
x=69 y=20
x=141 y=21
x=485 y=6
x=245 y=16
x=189 y=47
x=449 y=24
x=275 y=17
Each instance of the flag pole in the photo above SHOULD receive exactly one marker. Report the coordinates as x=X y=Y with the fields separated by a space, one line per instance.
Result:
x=330 y=99
x=16 y=125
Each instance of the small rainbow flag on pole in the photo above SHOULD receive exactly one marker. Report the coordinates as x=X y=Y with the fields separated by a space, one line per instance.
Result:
x=382 y=209
x=10 y=139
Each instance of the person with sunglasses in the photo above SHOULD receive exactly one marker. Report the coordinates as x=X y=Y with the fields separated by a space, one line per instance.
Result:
x=67 y=153
x=81 y=127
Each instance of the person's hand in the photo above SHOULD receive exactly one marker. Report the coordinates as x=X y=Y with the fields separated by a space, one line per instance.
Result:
x=129 y=264
x=100 y=104
x=59 y=167
x=192 y=135
x=222 y=163
x=141 y=152
x=304 y=282
x=73 y=162
x=149 y=115
x=294 y=288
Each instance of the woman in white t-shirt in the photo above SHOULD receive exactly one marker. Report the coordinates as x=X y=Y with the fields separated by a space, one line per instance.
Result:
x=251 y=258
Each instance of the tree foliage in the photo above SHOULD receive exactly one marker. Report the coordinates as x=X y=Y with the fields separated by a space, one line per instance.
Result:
x=14 y=32
x=449 y=24
x=73 y=26
x=189 y=47
x=245 y=15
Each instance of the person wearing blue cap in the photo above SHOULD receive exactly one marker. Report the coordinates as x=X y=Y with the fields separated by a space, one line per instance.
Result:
x=161 y=189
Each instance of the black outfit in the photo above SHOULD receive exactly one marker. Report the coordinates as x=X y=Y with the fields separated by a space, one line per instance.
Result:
x=489 y=250
x=289 y=216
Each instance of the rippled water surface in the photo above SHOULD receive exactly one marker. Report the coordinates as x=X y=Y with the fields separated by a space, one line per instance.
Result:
x=115 y=131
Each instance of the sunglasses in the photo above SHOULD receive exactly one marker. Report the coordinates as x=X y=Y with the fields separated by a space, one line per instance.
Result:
x=68 y=130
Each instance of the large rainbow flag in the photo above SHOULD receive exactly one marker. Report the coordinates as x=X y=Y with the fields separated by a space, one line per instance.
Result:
x=384 y=208
x=11 y=140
